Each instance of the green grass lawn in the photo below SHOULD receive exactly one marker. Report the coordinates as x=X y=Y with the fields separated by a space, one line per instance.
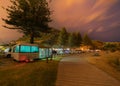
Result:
x=108 y=62
x=38 y=73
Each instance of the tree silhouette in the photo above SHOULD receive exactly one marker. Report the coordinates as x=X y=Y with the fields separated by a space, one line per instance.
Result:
x=29 y=16
x=87 y=41
x=74 y=39
x=63 y=37
x=71 y=40
x=50 y=39
x=78 y=39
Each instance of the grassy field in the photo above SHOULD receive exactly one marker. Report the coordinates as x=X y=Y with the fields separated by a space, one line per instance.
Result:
x=38 y=73
x=108 y=62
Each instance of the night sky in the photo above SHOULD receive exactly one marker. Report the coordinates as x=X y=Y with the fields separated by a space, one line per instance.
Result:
x=100 y=19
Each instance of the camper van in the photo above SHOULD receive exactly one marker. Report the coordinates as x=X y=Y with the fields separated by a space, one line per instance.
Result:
x=24 y=52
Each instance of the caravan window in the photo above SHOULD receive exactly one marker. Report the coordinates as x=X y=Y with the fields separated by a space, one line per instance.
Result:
x=16 y=49
x=24 y=49
x=34 y=49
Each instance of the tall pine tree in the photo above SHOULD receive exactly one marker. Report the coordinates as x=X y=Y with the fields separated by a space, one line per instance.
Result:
x=78 y=39
x=87 y=41
x=63 y=37
x=71 y=40
x=29 y=17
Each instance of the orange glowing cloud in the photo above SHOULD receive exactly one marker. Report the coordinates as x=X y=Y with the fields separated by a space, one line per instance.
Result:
x=86 y=15
x=104 y=3
x=80 y=9
x=99 y=9
x=6 y=34
x=93 y=16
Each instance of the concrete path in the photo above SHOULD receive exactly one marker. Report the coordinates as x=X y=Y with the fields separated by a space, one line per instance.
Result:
x=76 y=71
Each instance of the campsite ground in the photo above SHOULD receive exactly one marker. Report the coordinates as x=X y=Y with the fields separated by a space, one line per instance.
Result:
x=40 y=73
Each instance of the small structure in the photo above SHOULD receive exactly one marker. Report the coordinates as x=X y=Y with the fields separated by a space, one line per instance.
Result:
x=44 y=52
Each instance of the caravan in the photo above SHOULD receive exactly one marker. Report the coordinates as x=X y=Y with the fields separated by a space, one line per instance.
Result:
x=28 y=52
x=24 y=52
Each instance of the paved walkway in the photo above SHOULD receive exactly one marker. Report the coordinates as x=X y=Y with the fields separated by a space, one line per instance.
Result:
x=75 y=71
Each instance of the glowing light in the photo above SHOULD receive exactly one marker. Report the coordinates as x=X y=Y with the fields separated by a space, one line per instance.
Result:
x=27 y=49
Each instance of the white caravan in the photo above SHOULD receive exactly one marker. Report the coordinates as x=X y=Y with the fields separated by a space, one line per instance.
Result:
x=25 y=52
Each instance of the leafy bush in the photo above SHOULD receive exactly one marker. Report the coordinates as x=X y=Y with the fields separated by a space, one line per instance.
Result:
x=110 y=47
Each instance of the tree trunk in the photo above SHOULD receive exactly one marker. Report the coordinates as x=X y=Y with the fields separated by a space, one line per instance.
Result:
x=32 y=38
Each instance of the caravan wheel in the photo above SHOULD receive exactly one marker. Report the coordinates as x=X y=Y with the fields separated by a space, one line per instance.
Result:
x=8 y=56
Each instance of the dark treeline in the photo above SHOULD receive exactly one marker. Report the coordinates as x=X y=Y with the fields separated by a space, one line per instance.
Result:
x=61 y=38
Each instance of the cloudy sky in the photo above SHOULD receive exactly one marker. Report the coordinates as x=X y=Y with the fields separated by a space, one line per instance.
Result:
x=98 y=18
